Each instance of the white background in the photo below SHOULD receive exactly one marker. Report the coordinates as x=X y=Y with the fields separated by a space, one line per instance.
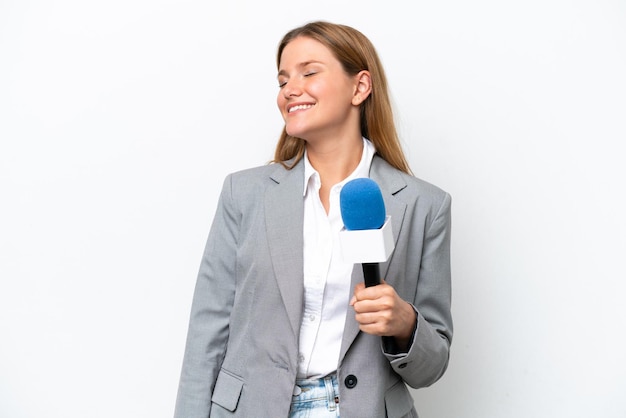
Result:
x=120 y=119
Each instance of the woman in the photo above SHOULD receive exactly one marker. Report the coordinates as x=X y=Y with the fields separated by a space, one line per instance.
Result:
x=281 y=325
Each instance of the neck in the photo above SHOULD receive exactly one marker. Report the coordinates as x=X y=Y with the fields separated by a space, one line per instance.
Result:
x=335 y=160
x=334 y=163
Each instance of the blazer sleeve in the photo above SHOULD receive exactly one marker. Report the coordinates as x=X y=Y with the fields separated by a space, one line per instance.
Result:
x=428 y=354
x=213 y=298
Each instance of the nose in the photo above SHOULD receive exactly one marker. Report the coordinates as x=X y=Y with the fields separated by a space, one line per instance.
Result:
x=292 y=89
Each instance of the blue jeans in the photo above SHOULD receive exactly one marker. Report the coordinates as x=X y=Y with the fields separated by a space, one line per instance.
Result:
x=315 y=398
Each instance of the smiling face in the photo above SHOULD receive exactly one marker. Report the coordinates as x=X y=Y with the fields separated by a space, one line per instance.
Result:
x=317 y=98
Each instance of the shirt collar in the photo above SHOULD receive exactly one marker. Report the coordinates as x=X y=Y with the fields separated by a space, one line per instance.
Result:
x=362 y=170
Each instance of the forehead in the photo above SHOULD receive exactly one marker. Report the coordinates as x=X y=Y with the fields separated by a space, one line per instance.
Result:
x=303 y=50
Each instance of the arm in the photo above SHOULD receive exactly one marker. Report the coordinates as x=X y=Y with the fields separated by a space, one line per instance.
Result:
x=212 y=302
x=416 y=333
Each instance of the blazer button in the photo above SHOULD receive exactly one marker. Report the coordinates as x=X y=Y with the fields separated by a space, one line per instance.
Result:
x=350 y=381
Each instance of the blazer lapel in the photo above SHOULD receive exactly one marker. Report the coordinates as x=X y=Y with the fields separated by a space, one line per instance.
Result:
x=390 y=182
x=284 y=212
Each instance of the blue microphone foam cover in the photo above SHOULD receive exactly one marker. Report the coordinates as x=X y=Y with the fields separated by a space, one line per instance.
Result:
x=362 y=205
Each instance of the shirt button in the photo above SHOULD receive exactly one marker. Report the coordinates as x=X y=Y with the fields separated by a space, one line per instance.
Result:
x=402 y=365
x=350 y=381
x=311 y=318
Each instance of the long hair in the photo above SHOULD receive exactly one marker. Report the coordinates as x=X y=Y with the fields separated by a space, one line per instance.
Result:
x=355 y=52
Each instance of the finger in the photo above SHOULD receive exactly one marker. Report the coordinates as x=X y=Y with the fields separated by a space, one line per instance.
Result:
x=359 y=287
x=366 y=319
x=356 y=294
x=363 y=306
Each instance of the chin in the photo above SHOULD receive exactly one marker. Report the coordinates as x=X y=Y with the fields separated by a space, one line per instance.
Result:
x=298 y=133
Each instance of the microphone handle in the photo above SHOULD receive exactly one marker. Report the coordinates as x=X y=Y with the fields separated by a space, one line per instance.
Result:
x=371 y=273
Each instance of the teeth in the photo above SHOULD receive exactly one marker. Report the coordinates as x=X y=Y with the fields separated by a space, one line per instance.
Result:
x=300 y=107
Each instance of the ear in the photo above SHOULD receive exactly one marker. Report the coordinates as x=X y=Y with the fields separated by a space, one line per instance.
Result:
x=363 y=87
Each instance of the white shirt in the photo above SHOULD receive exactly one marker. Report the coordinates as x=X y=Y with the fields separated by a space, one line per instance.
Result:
x=327 y=277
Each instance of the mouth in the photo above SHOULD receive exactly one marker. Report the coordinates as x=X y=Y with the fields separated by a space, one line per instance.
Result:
x=299 y=107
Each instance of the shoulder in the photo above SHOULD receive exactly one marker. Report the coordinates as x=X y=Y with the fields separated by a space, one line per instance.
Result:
x=433 y=194
x=249 y=184
x=407 y=187
x=255 y=177
x=428 y=205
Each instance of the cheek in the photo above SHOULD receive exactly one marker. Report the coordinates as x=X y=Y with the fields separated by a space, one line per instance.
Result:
x=338 y=94
x=316 y=88
x=280 y=103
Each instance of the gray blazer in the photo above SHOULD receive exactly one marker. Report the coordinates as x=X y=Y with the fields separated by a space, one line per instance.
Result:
x=241 y=354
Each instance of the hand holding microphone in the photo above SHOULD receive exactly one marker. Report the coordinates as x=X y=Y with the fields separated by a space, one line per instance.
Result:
x=367 y=238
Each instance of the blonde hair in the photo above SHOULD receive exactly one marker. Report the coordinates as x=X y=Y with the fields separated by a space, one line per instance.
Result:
x=355 y=52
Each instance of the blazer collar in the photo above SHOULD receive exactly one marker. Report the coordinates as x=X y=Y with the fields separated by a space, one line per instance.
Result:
x=284 y=209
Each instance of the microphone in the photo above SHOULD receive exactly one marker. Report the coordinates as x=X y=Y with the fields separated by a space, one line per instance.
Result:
x=366 y=237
